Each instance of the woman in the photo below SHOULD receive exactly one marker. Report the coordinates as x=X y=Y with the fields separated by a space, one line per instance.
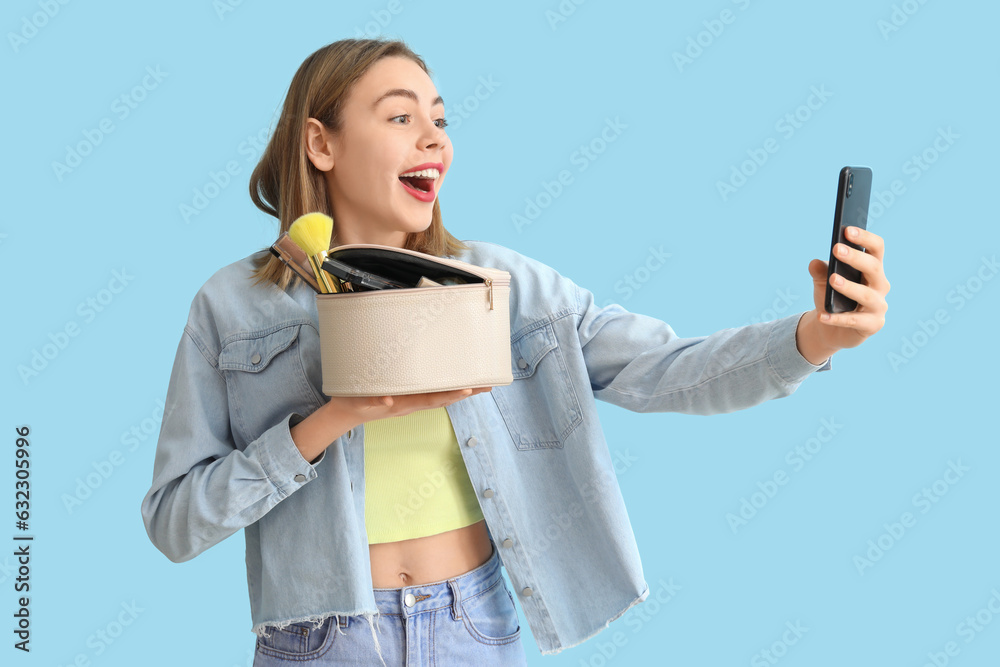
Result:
x=438 y=488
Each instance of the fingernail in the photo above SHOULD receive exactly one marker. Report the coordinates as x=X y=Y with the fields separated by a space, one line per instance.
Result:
x=852 y=232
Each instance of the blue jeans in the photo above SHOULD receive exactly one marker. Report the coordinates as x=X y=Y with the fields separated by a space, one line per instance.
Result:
x=466 y=620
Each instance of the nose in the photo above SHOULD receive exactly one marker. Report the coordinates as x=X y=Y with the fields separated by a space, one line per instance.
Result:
x=433 y=136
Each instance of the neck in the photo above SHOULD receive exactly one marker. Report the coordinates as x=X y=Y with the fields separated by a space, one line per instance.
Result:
x=348 y=236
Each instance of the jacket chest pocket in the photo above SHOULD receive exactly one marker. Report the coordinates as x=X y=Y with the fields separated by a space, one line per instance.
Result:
x=540 y=406
x=266 y=380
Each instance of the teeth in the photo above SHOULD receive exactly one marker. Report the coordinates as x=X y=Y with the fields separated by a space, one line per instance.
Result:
x=423 y=173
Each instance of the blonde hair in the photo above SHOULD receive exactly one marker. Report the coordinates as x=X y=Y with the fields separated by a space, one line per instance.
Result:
x=286 y=185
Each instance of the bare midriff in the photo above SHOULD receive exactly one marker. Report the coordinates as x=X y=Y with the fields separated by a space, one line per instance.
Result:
x=423 y=560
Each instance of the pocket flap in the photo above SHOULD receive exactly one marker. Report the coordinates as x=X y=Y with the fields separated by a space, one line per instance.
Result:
x=254 y=353
x=529 y=349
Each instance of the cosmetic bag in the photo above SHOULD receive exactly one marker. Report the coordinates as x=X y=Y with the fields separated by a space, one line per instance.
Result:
x=413 y=340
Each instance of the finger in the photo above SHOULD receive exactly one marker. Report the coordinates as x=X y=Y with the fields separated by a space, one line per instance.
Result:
x=818 y=269
x=409 y=403
x=864 y=322
x=871 y=242
x=446 y=395
x=440 y=398
x=869 y=265
x=454 y=395
x=473 y=391
x=863 y=294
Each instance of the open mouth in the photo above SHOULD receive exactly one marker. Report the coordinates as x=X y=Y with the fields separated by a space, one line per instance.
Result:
x=421 y=180
x=421 y=184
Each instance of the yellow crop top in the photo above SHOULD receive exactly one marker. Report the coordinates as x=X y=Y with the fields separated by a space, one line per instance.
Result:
x=416 y=483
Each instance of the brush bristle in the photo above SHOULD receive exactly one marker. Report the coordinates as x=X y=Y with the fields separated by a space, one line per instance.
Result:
x=312 y=232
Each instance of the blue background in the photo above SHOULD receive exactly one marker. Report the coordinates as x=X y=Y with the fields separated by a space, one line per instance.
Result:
x=733 y=260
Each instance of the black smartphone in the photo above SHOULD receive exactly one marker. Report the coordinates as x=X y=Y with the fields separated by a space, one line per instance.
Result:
x=854 y=191
x=361 y=281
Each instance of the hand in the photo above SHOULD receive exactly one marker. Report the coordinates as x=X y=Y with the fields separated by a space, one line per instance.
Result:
x=822 y=331
x=341 y=413
x=368 y=408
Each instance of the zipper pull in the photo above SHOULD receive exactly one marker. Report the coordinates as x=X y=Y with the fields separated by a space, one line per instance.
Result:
x=489 y=283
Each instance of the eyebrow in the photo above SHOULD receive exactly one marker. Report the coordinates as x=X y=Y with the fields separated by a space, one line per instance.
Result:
x=404 y=92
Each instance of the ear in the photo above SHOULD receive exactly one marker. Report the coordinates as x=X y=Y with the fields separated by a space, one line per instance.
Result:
x=319 y=145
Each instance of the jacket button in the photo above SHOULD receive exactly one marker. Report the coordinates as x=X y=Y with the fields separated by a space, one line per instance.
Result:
x=507 y=544
x=521 y=363
x=409 y=600
x=488 y=493
x=255 y=359
x=526 y=592
x=471 y=442
x=300 y=478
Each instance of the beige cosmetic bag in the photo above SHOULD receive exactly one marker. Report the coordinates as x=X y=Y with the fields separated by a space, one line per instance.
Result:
x=383 y=342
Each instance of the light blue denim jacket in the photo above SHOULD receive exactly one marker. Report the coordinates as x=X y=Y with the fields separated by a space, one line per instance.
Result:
x=248 y=368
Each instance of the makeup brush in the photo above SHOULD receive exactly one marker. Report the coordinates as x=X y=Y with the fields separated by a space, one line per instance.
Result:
x=312 y=233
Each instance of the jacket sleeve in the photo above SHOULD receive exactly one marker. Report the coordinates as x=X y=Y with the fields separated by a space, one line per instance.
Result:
x=204 y=489
x=637 y=362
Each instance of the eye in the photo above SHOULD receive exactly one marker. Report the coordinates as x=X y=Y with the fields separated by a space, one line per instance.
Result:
x=440 y=122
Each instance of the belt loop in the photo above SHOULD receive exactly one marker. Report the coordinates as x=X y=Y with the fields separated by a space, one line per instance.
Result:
x=456 y=605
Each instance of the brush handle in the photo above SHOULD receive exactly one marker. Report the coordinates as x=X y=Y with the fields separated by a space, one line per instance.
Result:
x=320 y=275
x=283 y=250
x=331 y=279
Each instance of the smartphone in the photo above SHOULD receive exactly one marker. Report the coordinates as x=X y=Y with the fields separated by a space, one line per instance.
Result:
x=361 y=281
x=853 y=194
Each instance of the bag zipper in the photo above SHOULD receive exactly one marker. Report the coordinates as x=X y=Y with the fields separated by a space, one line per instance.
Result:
x=488 y=274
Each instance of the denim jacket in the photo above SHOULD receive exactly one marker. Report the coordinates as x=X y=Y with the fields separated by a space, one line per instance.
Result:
x=248 y=369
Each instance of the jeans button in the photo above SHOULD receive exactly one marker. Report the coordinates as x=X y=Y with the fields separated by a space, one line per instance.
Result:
x=409 y=600
x=300 y=478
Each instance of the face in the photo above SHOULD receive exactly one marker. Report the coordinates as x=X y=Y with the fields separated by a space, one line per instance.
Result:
x=382 y=137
